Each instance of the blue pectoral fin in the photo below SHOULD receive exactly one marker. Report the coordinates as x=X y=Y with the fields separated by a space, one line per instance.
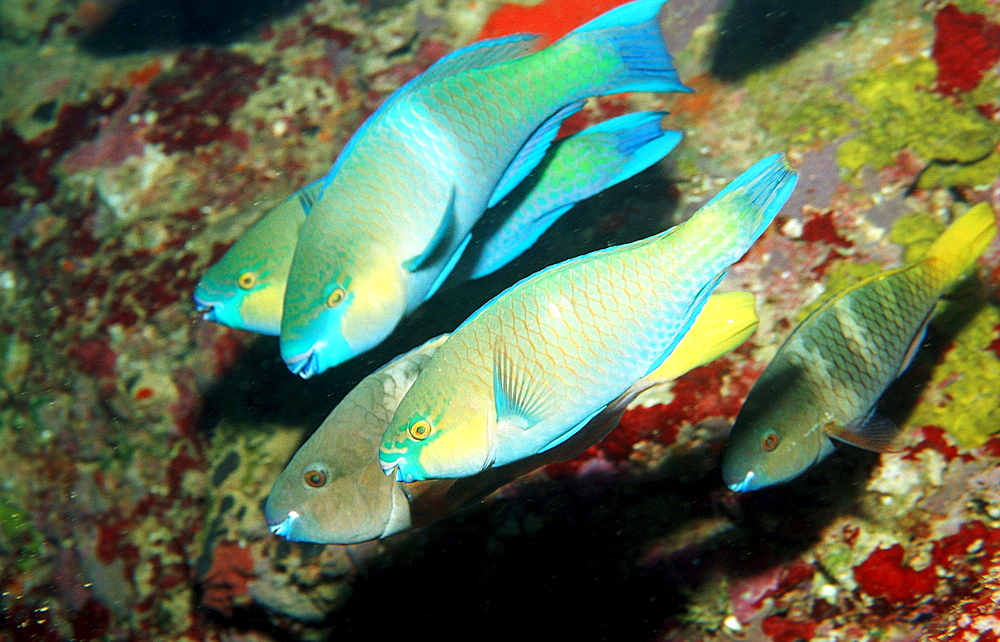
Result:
x=873 y=432
x=532 y=152
x=309 y=194
x=448 y=267
x=494 y=256
x=518 y=400
x=435 y=250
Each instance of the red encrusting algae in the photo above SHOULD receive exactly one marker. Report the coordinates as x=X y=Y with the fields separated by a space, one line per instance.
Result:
x=965 y=47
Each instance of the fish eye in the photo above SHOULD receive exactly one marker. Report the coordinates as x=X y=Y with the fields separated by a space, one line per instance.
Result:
x=247 y=280
x=420 y=430
x=336 y=298
x=770 y=441
x=315 y=478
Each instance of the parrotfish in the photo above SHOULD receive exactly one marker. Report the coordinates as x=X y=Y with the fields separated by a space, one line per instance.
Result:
x=535 y=364
x=401 y=199
x=575 y=168
x=246 y=288
x=826 y=378
x=333 y=491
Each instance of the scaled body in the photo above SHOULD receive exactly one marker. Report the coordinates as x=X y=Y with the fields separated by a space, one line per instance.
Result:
x=825 y=379
x=541 y=359
x=333 y=491
x=400 y=201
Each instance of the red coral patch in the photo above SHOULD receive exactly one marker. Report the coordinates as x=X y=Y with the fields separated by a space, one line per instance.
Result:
x=225 y=583
x=884 y=575
x=553 y=19
x=785 y=630
x=965 y=46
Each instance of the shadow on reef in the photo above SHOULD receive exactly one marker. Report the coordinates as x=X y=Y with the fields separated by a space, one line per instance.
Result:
x=599 y=557
x=261 y=389
x=144 y=25
x=757 y=33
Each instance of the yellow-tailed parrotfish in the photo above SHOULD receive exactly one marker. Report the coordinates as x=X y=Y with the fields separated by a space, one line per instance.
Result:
x=402 y=197
x=826 y=377
x=333 y=490
x=246 y=287
x=541 y=359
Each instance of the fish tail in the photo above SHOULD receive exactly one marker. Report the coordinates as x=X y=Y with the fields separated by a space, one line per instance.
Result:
x=961 y=244
x=639 y=139
x=754 y=198
x=632 y=33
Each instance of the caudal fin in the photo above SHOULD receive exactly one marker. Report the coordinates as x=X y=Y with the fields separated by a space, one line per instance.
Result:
x=632 y=32
x=962 y=243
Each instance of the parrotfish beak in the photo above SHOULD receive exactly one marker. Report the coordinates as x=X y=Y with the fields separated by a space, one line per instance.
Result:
x=305 y=366
x=286 y=527
x=208 y=307
x=745 y=484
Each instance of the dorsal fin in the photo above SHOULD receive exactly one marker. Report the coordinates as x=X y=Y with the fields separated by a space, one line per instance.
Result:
x=477 y=56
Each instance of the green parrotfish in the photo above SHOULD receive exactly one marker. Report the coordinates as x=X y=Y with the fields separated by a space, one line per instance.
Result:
x=245 y=289
x=826 y=377
x=400 y=201
x=333 y=491
x=535 y=364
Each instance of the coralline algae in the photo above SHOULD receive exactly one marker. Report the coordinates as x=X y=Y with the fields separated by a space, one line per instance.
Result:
x=137 y=441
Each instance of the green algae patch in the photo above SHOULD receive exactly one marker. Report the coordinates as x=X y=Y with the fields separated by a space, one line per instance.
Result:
x=915 y=232
x=842 y=275
x=18 y=534
x=901 y=112
x=957 y=398
x=817 y=118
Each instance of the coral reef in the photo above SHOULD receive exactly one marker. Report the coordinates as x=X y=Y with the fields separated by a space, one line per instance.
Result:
x=139 y=441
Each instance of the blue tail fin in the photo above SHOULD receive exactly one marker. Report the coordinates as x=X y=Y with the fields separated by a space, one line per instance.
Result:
x=764 y=188
x=632 y=31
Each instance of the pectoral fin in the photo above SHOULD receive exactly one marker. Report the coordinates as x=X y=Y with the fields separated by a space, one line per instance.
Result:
x=519 y=401
x=437 y=249
x=874 y=432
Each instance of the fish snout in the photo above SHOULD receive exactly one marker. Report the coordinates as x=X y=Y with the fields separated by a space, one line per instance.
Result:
x=305 y=365
x=744 y=484
x=208 y=307
x=286 y=526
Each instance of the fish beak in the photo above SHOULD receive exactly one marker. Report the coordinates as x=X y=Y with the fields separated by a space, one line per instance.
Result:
x=285 y=526
x=744 y=485
x=394 y=468
x=208 y=308
x=307 y=366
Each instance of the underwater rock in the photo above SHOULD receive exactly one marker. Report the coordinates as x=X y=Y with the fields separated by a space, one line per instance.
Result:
x=137 y=441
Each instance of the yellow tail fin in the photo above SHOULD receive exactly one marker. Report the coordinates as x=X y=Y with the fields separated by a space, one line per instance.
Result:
x=727 y=320
x=962 y=243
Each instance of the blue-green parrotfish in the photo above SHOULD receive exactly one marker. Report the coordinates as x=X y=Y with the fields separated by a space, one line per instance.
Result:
x=826 y=377
x=535 y=364
x=245 y=289
x=333 y=491
x=400 y=201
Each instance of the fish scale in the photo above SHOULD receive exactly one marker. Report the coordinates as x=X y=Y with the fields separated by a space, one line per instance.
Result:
x=436 y=153
x=526 y=379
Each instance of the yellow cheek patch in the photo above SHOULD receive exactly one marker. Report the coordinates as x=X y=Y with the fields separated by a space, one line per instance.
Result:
x=463 y=447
